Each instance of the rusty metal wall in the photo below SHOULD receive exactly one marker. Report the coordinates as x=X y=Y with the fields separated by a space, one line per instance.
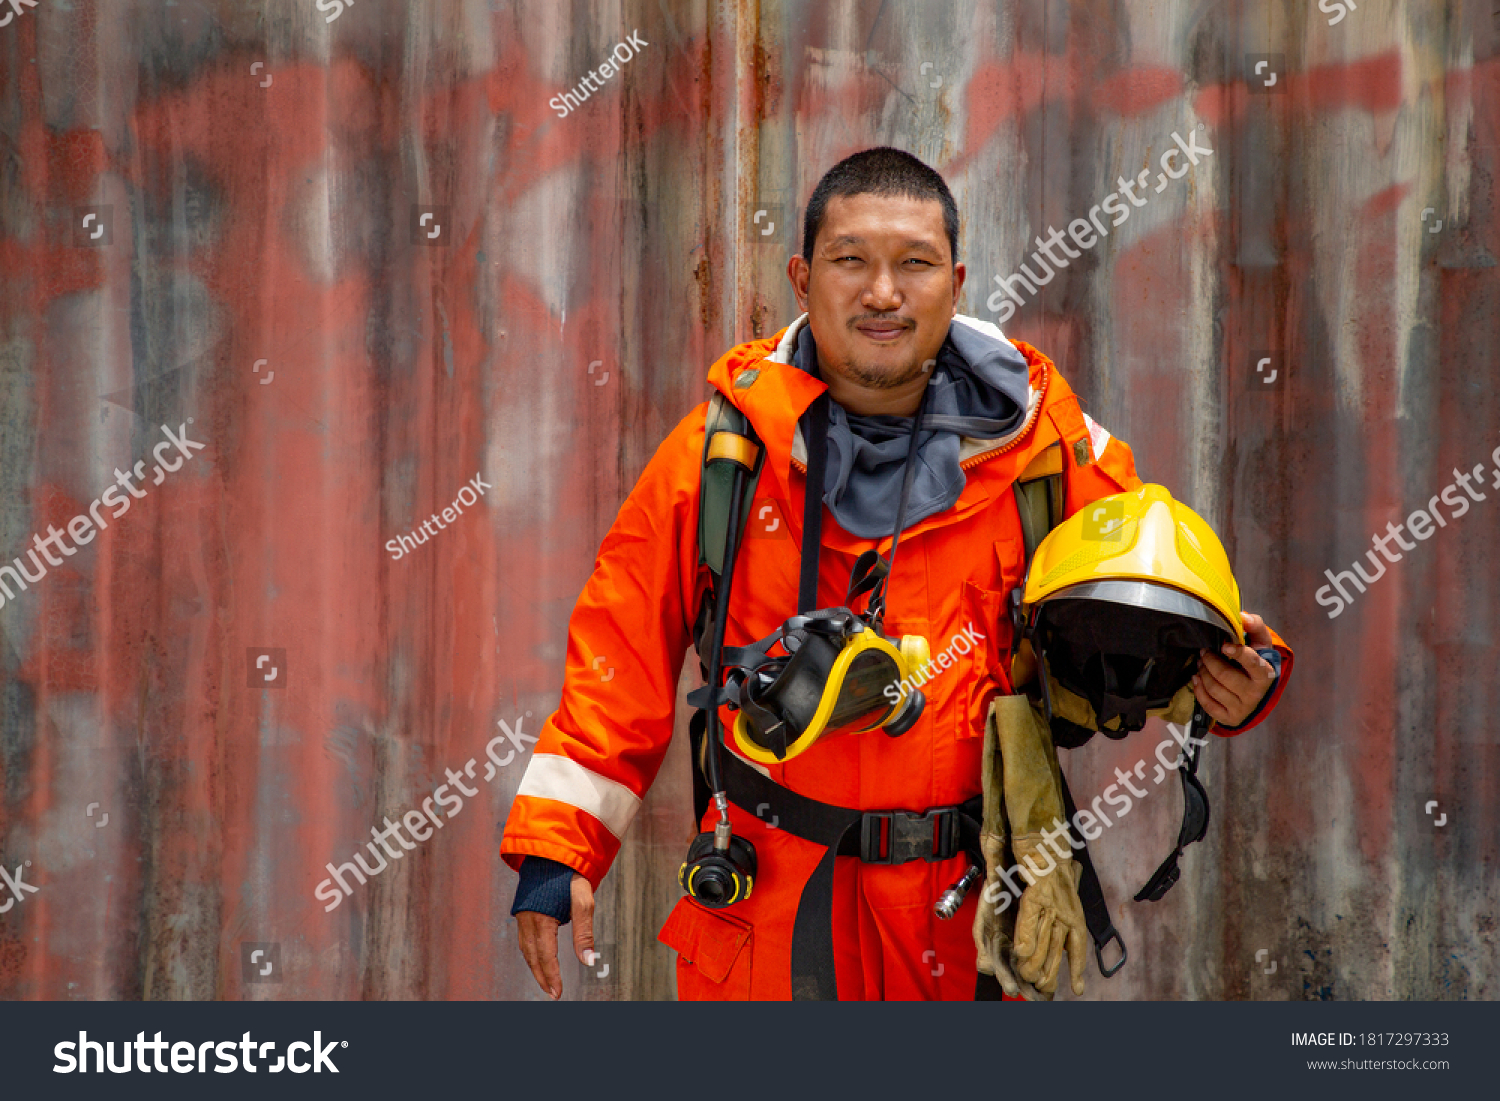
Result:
x=233 y=681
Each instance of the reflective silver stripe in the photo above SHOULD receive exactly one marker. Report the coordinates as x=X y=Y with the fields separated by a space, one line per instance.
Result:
x=1099 y=436
x=762 y=769
x=552 y=777
x=788 y=343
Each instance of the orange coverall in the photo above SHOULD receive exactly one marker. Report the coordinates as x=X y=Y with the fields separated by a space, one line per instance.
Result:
x=600 y=751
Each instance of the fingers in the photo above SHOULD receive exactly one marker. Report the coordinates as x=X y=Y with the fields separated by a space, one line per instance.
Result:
x=1243 y=664
x=583 y=920
x=1032 y=966
x=1230 y=690
x=1078 y=944
x=1024 y=944
x=537 y=934
x=1212 y=670
x=1256 y=631
x=1055 y=948
x=1216 y=699
x=1008 y=981
x=1257 y=668
x=1078 y=957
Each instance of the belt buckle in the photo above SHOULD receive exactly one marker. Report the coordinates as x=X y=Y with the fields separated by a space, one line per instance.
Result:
x=912 y=836
x=869 y=837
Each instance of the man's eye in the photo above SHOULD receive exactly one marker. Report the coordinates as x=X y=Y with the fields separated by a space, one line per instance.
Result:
x=918 y=260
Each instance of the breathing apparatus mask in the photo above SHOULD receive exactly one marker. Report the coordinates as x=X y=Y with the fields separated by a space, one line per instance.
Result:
x=823 y=672
x=837 y=674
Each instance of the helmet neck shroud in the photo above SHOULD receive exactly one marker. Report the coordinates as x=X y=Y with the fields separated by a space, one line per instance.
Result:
x=1126 y=647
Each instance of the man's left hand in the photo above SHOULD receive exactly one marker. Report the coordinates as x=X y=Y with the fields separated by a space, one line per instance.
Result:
x=1231 y=687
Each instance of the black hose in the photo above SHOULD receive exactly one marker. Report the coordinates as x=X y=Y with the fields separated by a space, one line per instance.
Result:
x=721 y=617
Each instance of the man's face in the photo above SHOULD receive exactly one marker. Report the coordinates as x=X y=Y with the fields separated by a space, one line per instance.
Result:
x=879 y=289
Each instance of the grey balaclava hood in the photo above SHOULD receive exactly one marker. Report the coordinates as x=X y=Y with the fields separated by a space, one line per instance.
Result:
x=978 y=389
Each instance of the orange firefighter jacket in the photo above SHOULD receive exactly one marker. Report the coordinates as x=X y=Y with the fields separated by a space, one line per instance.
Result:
x=600 y=751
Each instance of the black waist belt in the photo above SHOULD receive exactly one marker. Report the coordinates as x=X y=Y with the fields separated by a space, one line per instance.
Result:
x=875 y=836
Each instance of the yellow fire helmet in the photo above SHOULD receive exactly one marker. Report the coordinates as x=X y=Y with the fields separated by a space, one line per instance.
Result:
x=1120 y=598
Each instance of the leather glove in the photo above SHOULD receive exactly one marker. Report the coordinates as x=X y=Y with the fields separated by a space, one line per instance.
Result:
x=995 y=916
x=1050 y=919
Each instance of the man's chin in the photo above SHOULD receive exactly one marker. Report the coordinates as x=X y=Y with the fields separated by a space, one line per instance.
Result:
x=880 y=376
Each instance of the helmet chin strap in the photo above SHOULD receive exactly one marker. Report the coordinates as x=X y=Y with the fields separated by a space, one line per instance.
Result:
x=1130 y=708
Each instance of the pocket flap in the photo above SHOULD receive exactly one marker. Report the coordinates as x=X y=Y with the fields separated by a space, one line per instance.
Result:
x=704 y=937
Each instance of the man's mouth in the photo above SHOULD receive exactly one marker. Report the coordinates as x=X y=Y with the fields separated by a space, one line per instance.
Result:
x=882 y=331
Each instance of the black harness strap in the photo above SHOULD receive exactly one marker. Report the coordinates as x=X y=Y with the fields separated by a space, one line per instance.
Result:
x=1091 y=893
x=1194 y=814
x=1193 y=828
x=879 y=837
x=876 y=837
x=812 y=501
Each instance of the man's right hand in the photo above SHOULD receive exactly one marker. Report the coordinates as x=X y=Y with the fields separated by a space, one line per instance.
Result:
x=538 y=937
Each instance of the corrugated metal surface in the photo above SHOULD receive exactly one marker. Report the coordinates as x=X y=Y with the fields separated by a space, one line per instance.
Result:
x=263 y=278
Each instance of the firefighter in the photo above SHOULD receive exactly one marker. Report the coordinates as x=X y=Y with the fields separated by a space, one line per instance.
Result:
x=880 y=411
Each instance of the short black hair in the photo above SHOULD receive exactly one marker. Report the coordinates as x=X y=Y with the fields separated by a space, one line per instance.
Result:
x=879 y=171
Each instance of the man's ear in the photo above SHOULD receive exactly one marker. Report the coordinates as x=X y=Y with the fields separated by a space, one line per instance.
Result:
x=959 y=272
x=798 y=272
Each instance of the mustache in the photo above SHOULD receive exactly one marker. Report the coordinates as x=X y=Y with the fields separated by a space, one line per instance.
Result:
x=904 y=322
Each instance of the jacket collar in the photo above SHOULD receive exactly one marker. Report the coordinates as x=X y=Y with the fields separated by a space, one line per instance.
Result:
x=759 y=379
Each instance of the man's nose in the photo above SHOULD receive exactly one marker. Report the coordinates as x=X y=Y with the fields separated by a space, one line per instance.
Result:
x=881 y=293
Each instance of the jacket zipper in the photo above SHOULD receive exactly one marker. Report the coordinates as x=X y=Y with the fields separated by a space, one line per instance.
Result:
x=983 y=456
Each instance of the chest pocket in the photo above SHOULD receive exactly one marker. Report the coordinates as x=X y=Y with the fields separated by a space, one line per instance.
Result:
x=1039 y=503
x=986 y=612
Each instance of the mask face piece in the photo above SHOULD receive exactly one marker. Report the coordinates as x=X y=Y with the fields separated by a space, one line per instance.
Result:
x=861 y=703
x=832 y=678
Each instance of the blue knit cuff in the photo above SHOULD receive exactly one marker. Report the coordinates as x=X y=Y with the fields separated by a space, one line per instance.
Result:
x=1274 y=657
x=546 y=887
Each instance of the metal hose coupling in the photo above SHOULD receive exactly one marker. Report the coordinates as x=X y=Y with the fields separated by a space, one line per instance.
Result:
x=950 y=900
